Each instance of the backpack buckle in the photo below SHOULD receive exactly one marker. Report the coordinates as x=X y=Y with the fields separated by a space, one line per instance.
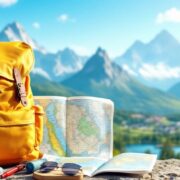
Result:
x=20 y=87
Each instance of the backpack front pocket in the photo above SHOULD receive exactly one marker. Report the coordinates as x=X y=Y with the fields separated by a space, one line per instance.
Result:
x=39 y=114
x=17 y=134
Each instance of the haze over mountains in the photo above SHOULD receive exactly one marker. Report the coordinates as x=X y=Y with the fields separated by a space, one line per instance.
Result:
x=99 y=76
x=156 y=63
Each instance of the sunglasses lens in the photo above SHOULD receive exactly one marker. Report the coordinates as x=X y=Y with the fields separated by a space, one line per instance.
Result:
x=70 y=169
x=49 y=164
x=46 y=169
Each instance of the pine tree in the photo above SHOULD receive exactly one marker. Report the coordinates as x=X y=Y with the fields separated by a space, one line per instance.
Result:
x=167 y=151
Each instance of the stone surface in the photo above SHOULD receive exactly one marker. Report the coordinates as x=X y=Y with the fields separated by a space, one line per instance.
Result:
x=167 y=169
x=163 y=170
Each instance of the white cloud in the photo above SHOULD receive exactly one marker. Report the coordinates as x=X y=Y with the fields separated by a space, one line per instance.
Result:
x=36 y=25
x=63 y=18
x=41 y=72
x=159 y=71
x=66 y=18
x=5 y=3
x=129 y=70
x=171 y=15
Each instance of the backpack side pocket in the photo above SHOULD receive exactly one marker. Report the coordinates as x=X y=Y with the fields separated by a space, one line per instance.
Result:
x=39 y=113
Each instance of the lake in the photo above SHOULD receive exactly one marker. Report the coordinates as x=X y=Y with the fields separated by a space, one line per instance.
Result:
x=141 y=148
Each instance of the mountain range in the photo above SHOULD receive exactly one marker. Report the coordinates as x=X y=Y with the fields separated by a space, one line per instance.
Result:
x=58 y=66
x=155 y=63
x=102 y=77
x=66 y=73
x=53 y=66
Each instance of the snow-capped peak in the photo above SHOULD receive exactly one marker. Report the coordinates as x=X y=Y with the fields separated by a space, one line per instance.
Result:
x=15 y=32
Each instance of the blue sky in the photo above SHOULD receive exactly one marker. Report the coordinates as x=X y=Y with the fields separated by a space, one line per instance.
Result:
x=86 y=24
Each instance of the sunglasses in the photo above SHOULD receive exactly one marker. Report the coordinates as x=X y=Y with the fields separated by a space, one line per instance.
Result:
x=70 y=169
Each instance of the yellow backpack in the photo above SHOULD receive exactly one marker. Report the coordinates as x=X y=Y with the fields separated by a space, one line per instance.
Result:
x=21 y=123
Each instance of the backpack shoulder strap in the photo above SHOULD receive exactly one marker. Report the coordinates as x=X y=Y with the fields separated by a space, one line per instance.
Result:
x=20 y=87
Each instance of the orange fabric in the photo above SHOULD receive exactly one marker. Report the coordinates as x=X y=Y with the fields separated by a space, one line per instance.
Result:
x=20 y=126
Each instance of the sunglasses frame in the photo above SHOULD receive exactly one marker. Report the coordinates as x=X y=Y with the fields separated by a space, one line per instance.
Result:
x=70 y=169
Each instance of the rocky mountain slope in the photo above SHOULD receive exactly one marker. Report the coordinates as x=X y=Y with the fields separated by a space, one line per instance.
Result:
x=102 y=77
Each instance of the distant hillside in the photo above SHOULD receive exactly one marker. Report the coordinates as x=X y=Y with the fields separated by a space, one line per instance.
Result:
x=175 y=90
x=41 y=86
x=101 y=77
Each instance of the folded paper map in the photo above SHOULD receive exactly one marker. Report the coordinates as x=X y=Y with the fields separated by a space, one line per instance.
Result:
x=79 y=130
x=131 y=163
x=77 y=126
